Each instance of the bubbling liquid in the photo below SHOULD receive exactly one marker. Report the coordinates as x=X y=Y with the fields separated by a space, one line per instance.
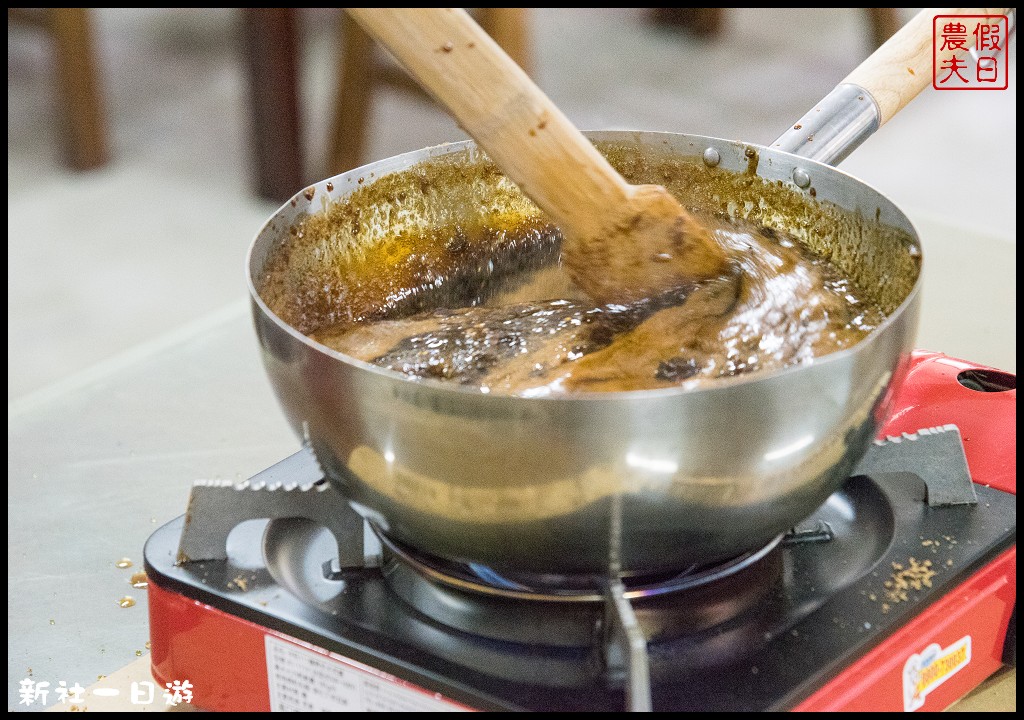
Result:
x=527 y=331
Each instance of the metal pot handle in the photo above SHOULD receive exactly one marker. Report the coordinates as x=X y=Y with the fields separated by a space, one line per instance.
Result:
x=873 y=93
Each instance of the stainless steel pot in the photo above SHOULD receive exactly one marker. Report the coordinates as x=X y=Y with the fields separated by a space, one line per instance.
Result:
x=638 y=482
x=661 y=478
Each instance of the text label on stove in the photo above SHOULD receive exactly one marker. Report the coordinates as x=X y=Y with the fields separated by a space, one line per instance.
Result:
x=925 y=671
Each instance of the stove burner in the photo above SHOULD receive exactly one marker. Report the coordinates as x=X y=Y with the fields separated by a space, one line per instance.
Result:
x=564 y=611
x=476 y=578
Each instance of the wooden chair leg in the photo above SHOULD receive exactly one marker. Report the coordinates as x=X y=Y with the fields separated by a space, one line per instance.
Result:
x=703 y=23
x=884 y=23
x=510 y=28
x=358 y=74
x=271 y=53
x=352 y=101
x=84 y=134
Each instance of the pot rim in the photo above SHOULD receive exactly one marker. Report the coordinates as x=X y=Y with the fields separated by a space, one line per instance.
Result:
x=405 y=161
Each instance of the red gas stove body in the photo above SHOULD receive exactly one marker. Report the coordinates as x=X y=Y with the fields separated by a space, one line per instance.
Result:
x=240 y=659
x=982 y=403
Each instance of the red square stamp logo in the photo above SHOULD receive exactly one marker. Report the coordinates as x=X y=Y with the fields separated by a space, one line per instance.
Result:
x=969 y=52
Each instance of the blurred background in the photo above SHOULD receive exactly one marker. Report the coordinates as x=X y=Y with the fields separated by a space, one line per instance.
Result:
x=197 y=124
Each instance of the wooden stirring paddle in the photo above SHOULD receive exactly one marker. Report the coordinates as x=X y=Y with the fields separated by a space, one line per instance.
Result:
x=621 y=242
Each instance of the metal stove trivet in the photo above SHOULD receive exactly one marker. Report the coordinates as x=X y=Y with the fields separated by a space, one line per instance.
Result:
x=310 y=520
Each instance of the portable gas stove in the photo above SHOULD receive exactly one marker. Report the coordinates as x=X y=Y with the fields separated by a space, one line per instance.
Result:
x=898 y=593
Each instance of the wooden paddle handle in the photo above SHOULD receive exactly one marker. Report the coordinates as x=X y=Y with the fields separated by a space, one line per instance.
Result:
x=902 y=67
x=505 y=112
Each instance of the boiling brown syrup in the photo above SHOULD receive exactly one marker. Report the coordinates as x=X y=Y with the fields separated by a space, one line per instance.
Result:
x=778 y=306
